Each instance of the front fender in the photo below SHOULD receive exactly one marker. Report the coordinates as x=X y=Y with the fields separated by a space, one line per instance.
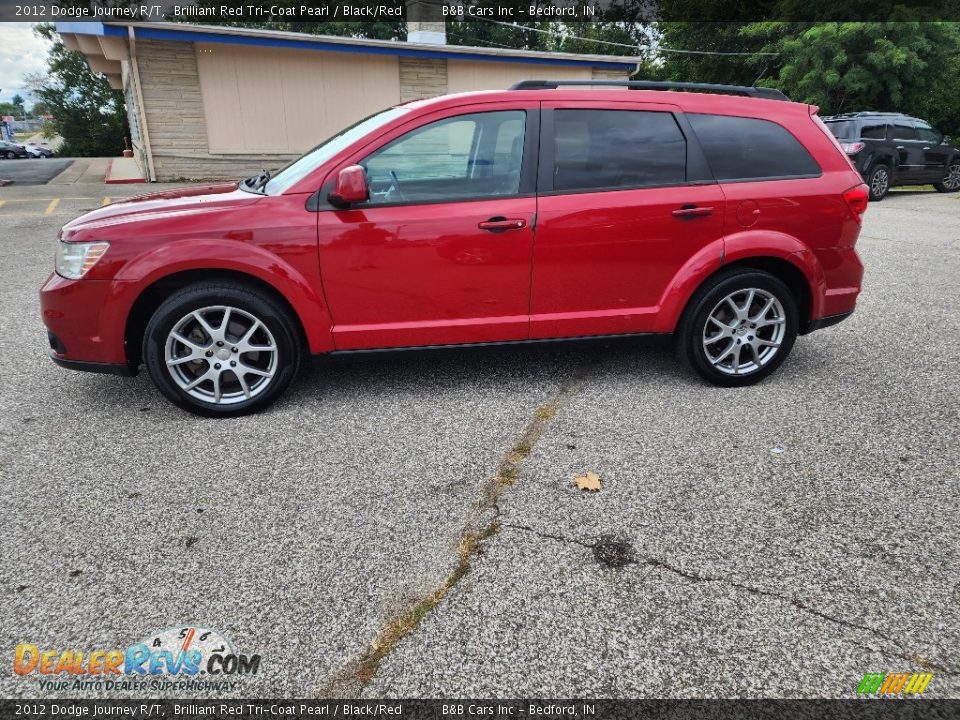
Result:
x=300 y=289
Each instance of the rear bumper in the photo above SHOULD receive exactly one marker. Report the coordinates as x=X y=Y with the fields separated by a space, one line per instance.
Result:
x=824 y=322
x=83 y=366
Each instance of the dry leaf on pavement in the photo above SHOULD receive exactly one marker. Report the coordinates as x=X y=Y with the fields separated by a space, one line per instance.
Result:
x=591 y=481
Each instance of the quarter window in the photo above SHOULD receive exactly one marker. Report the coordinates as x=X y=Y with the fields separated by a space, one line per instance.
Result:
x=458 y=158
x=740 y=148
x=613 y=149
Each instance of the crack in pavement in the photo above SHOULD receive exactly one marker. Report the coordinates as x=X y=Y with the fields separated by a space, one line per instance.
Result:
x=354 y=676
x=658 y=564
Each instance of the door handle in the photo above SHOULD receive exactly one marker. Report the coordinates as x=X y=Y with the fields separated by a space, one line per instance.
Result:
x=692 y=211
x=900 y=147
x=926 y=148
x=502 y=224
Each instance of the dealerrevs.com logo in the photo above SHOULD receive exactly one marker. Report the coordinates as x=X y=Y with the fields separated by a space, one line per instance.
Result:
x=184 y=658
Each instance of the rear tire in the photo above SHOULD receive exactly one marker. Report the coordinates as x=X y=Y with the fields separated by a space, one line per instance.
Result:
x=951 y=178
x=222 y=349
x=879 y=182
x=738 y=327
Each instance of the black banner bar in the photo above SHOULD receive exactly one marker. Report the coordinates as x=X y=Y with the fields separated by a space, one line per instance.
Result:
x=504 y=11
x=865 y=709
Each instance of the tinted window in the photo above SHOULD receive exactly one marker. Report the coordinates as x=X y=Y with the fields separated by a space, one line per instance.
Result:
x=468 y=156
x=739 y=148
x=874 y=131
x=596 y=149
x=928 y=134
x=904 y=132
x=843 y=129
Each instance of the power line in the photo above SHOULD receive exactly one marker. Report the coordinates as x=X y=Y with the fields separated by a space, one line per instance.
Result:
x=632 y=47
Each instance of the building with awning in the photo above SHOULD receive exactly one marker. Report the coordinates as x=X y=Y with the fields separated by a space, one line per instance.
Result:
x=224 y=102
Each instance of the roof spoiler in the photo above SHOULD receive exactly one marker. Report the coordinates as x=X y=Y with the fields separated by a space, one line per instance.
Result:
x=747 y=90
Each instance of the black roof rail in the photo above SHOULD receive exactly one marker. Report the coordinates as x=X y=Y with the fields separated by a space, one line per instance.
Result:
x=757 y=92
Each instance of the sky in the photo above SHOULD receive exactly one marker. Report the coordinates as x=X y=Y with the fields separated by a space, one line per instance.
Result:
x=21 y=53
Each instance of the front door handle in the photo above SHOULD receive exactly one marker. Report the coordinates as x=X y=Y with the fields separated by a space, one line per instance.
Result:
x=502 y=224
x=692 y=211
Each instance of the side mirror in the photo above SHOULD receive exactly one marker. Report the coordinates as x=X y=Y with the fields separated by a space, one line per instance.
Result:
x=350 y=187
x=947 y=140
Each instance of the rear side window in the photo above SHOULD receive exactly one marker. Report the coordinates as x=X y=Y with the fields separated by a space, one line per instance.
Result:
x=902 y=131
x=610 y=149
x=739 y=148
x=874 y=131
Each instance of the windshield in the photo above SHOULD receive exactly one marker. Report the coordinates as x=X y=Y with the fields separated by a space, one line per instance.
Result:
x=299 y=169
x=843 y=129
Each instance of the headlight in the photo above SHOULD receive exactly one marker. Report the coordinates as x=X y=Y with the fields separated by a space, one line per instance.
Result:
x=75 y=259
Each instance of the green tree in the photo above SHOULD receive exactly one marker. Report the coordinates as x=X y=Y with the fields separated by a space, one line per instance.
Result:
x=908 y=67
x=88 y=113
x=17 y=102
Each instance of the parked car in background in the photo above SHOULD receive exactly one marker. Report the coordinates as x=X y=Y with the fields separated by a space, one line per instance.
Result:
x=726 y=220
x=12 y=151
x=38 y=151
x=890 y=149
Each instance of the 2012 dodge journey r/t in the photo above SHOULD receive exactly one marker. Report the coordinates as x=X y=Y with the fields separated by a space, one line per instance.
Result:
x=727 y=218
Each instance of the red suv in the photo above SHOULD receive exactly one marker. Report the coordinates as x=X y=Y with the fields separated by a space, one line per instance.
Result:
x=726 y=217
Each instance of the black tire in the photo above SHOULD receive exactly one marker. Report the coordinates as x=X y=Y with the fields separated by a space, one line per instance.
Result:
x=689 y=338
x=11 y=155
x=247 y=303
x=951 y=178
x=879 y=181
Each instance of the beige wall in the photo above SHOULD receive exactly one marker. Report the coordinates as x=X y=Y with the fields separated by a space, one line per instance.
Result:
x=465 y=76
x=230 y=112
x=267 y=100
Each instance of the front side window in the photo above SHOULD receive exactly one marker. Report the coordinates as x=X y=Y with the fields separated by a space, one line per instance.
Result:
x=928 y=135
x=740 y=148
x=610 y=149
x=464 y=157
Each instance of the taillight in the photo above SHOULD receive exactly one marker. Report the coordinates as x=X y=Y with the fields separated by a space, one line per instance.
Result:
x=852 y=148
x=856 y=199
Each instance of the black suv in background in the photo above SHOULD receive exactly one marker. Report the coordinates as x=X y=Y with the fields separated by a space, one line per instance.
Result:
x=894 y=149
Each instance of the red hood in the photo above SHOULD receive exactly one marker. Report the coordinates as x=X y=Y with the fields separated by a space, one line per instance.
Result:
x=179 y=201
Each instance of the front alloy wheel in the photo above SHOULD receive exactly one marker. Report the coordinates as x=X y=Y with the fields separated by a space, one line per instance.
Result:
x=951 y=178
x=222 y=348
x=221 y=354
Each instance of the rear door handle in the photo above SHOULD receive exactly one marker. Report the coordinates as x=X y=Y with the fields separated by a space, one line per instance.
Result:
x=692 y=211
x=502 y=224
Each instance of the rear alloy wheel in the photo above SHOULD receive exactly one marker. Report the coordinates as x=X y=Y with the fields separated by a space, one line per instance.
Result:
x=221 y=350
x=739 y=328
x=951 y=178
x=11 y=155
x=879 y=182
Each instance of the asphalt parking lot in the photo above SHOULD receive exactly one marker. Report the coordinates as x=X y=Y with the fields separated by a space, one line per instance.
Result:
x=777 y=541
x=33 y=171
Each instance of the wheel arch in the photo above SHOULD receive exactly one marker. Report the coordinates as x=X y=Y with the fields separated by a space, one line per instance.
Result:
x=151 y=297
x=784 y=269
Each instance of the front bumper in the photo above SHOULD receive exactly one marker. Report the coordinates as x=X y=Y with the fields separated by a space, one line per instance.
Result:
x=82 y=333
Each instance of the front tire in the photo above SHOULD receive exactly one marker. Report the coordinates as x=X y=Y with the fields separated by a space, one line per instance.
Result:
x=222 y=349
x=738 y=328
x=879 y=182
x=951 y=178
